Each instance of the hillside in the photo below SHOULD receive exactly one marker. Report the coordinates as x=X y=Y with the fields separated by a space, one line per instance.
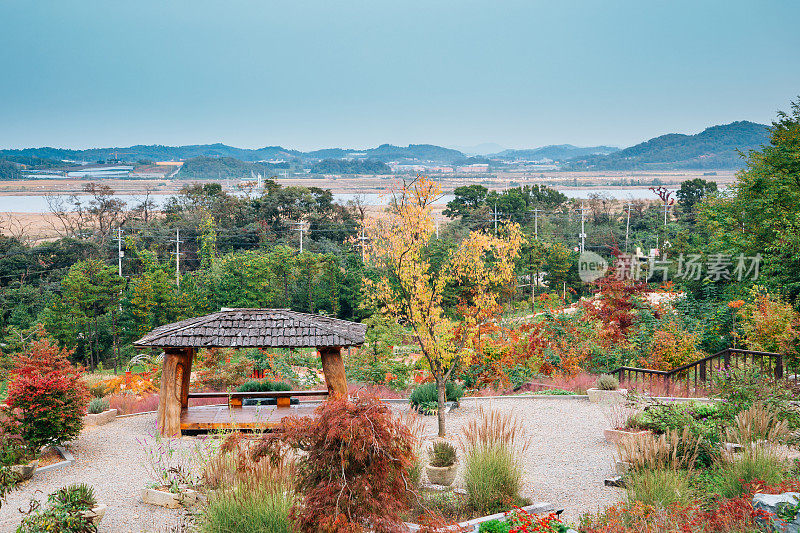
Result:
x=555 y=152
x=716 y=147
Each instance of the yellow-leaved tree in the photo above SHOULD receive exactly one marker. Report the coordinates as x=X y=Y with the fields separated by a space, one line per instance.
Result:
x=413 y=291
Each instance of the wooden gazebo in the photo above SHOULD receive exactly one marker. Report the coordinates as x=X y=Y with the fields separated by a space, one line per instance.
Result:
x=243 y=328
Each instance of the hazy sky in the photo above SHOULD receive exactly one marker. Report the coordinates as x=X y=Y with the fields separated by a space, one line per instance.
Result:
x=307 y=74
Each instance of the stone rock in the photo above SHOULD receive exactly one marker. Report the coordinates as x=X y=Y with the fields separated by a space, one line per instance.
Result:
x=167 y=499
x=772 y=503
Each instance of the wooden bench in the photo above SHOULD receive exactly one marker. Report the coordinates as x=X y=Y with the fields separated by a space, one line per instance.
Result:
x=283 y=397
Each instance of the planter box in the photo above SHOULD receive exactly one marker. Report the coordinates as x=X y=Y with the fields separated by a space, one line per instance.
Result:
x=472 y=526
x=167 y=499
x=100 y=418
x=95 y=514
x=607 y=396
x=615 y=435
x=25 y=471
x=441 y=475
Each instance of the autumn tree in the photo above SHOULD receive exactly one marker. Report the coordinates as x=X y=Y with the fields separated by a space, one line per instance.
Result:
x=412 y=290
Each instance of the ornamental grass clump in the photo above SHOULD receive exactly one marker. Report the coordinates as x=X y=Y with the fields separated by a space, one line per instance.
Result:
x=756 y=463
x=607 y=382
x=674 y=450
x=98 y=405
x=758 y=423
x=251 y=495
x=442 y=454
x=660 y=488
x=493 y=445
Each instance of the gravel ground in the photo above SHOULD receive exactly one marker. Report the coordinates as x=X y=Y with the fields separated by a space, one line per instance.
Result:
x=110 y=459
x=568 y=460
x=565 y=465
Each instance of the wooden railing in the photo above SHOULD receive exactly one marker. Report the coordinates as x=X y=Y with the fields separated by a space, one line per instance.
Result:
x=697 y=374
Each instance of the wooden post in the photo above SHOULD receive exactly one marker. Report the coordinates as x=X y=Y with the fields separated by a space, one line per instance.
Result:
x=333 y=368
x=174 y=390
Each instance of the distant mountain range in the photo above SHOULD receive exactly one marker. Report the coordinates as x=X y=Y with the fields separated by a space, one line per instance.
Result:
x=716 y=147
x=554 y=152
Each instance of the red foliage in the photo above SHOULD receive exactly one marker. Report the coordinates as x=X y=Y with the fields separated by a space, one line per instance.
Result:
x=354 y=474
x=731 y=515
x=613 y=306
x=46 y=395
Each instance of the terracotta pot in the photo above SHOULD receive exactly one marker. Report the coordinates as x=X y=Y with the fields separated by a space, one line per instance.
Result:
x=441 y=475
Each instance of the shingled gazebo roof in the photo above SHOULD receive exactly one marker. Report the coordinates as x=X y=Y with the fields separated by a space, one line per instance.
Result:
x=268 y=328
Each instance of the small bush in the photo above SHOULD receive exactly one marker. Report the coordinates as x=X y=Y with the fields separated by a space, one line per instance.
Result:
x=442 y=454
x=756 y=463
x=427 y=393
x=48 y=394
x=494 y=526
x=660 y=488
x=493 y=444
x=263 y=385
x=98 y=405
x=63 y=513
x=607 y=382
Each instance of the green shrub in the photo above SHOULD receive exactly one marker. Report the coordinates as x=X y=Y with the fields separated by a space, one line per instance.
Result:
x=494 y=526
x=98 y=390
x=12 y=450
x=607 y=382
x=98 y=405
x=245 y=510
x=741 y=388
x=555 y=392
x=442 y=454
x=659 y=488
x=756 y=463
x=63 y=513
x=75 y=497
x=263 y=385
x=427 y=393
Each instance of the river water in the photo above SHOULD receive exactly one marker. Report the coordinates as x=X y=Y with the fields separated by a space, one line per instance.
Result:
x=38 y=203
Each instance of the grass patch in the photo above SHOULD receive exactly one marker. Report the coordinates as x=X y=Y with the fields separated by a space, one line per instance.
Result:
x=659 y=488
x=756 y=463
x=554 y=392
x=248 y=510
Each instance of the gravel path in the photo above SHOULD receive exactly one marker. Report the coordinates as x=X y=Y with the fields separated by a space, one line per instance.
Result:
x=566 y=464
x=110 y=459
x=568 y=459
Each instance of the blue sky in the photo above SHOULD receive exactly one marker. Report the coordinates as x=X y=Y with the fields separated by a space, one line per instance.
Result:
x=307 y=74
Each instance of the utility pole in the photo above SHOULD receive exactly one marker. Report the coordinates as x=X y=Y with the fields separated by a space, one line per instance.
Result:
x=363 y=242
x=495 y=219
x=120 y=253
x=177 y=253
x=536 y=224
x=299 y=226
x=436 y=221
x=627 y=227
x=583 y=233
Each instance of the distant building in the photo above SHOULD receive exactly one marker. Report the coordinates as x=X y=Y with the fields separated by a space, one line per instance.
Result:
x=170 y=163
x=477 y=167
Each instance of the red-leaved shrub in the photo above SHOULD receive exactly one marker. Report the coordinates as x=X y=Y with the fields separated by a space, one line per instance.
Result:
x=354 y=474
x=46 y=397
